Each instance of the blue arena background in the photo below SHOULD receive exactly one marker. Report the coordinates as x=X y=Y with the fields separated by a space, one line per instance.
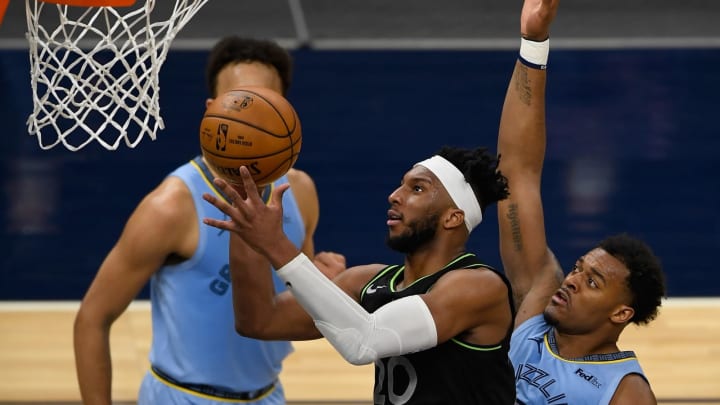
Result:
x=633 y=135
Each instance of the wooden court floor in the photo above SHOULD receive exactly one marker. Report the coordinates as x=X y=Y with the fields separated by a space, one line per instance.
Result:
x=680 y=352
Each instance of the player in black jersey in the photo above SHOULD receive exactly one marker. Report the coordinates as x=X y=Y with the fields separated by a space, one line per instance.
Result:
x=437 y=327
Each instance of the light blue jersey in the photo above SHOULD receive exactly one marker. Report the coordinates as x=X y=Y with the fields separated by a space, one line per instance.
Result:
x=543 y=377
x=194 y=340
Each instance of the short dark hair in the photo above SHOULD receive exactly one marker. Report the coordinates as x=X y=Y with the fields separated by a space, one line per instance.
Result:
x=646 y=281
x=480 y=168
x=234 y=49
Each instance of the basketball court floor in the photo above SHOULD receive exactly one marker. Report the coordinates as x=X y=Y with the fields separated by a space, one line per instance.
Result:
x=678 y=351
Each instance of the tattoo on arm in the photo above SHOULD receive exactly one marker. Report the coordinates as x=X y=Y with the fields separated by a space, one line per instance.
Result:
x=512 y=215
x=522 y=84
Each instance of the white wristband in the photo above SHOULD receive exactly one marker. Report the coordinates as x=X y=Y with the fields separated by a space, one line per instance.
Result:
x=534 y=54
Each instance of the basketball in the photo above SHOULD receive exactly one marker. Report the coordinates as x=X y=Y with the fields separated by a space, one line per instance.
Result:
x=254 y=127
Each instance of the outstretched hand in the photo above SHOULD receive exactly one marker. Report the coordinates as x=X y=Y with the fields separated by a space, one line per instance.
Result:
x=260 y=225
x=536 y=17
x=330 y=263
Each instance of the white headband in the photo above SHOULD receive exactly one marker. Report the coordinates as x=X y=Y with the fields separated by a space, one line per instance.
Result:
x=460 y=191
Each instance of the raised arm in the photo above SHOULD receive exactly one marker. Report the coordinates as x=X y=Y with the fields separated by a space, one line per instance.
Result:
x=532 y=269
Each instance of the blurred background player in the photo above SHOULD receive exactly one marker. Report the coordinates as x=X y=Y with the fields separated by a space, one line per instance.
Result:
x=564 y=347
x=196 y=355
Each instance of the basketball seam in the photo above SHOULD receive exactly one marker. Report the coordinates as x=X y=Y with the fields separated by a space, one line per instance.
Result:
x=287 y=127
x=276 y=169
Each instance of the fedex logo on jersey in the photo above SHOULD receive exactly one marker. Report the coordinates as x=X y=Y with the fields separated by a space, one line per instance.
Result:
x=588 y=377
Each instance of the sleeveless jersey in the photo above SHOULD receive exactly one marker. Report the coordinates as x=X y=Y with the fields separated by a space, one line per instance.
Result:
x=454 y=372
x=193 y=337
x=543 y=377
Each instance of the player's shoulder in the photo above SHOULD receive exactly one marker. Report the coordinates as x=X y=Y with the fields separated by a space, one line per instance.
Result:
x=171 y=187
x=299 y=178
x=302 y=185
x=633 y=387
x=482 y=279
x=481 y=274
x=170 y=199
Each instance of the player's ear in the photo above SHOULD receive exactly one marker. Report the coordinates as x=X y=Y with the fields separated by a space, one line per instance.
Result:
x=622 y=314
x=454 y=217
x=208 y=101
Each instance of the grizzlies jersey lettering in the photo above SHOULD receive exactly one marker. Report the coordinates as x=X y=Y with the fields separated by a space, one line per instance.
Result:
x=454 y=372
x=543 y=377
x=194 y=338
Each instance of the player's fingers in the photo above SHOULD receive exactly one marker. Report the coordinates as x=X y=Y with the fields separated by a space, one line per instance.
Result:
x=251 y=189
x=550 y=5
x=230 y=192
x=330 y=264
x=340 y=258
x=277 y=195
x=332 y=255
x=217 y=202
x=220 y=204
x=225 y=225
x=220 y=183
x=233 y=196
x=330 y=258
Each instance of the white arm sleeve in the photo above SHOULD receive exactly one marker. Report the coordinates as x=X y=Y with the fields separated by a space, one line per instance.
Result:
x=399 y=327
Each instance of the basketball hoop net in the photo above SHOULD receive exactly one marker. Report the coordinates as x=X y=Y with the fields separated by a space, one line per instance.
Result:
x=94 y=68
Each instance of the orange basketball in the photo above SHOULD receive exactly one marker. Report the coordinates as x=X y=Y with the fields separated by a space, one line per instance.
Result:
x=254 y=127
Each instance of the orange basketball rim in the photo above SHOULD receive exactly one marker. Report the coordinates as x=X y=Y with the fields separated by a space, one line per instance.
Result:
x=3 y=7
x=92 y=3
x=79 y=3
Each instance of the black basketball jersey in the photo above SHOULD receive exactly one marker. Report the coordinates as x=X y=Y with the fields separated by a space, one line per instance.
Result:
x=452 y=373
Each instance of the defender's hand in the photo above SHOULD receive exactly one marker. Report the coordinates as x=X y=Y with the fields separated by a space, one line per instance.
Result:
x=536 y=17
x=330 y=263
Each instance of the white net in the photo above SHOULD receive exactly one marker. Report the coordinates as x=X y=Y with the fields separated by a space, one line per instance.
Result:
x=95 y=70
